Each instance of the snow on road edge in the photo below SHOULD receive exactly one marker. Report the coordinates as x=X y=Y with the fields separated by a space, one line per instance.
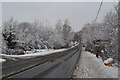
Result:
x=2 y=60
x=39 y=53
x=111 y=71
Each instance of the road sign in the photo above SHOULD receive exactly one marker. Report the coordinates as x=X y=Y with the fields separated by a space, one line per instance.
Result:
x=102 y=41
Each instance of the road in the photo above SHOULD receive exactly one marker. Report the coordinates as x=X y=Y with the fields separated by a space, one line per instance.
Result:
x=57 y=65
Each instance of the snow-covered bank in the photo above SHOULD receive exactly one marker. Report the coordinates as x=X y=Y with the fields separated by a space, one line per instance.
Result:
x=32 y=54
x=2 y=60
x=38 y=52
x=91 y=67
x=111 y=71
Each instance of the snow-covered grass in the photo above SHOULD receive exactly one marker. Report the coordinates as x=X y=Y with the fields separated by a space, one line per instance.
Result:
x=2 y=60
x=110 y=71
x=34 y=54
x=89 y=66
x=38 y=52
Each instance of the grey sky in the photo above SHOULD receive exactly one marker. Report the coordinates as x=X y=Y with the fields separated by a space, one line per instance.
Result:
x=78 y=13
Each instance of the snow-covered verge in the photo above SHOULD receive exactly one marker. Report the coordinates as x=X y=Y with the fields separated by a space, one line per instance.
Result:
x=38 y=52
x=111 y=71
x=34 y=54
x=91 y=67
x=2 y=60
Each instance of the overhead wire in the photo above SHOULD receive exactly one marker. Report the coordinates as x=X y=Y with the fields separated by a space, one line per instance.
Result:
x=99 y=10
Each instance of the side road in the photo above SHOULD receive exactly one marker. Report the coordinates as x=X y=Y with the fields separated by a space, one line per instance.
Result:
x=91 y=67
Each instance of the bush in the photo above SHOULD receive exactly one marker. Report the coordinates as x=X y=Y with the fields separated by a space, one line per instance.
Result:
x=13 y=52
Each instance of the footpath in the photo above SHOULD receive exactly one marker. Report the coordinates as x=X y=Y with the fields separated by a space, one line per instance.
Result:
x=91 y=67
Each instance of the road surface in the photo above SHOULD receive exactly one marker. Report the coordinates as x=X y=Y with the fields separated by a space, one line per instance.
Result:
x=57 y=65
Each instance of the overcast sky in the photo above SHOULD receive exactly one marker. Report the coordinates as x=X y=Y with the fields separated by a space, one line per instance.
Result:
x=78 y=13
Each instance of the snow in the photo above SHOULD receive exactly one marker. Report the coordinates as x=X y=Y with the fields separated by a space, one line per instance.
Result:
x=108 y=60
x=102 y=51
x=110 y=71
x=75 y=44
x=38 y=53
x=91 y=67
x=2 y=60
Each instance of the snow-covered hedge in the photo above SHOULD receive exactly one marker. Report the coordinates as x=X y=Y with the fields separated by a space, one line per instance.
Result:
x=13 y=52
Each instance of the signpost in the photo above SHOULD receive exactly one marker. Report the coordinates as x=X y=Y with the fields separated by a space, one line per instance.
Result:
x=102 y=41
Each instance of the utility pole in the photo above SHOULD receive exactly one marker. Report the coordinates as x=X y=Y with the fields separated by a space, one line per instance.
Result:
x=119 y=34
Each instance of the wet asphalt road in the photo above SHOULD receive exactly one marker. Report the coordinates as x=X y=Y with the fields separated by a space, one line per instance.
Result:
x=58 y=65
